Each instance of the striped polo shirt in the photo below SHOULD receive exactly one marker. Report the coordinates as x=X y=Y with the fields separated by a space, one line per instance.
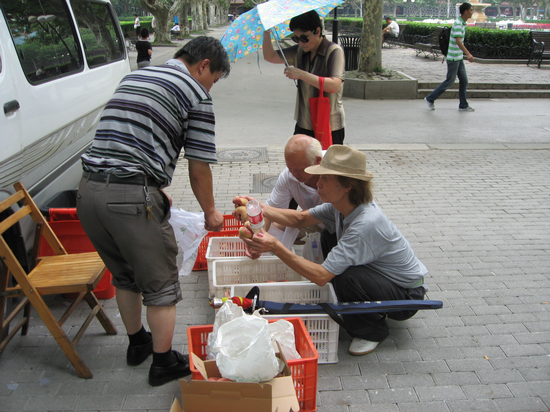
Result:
x=457 y=30
x=154 y=113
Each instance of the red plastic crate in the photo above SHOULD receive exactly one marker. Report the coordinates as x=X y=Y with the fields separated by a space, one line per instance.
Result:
x=68 y=213
x=230 y=227
x=73 y=238
x=304 y=371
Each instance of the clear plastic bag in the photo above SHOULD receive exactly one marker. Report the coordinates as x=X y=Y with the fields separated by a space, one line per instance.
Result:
x=312 y=249
x=189 y=231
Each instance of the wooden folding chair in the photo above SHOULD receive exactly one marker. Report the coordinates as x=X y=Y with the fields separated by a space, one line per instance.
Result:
x=63 y=273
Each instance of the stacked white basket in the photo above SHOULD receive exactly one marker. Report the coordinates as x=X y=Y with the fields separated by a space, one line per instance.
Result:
x=322 y=329
x=226 y=248
x=230 y=273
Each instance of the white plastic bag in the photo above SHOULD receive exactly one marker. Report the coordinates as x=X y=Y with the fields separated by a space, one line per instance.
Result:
x=226 y=313
x=189 y=231
x=282 y=332
x=312 y=249
x=286 y=237
x=245 y=353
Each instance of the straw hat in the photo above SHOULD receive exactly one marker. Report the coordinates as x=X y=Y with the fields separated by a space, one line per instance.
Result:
x=344 y=161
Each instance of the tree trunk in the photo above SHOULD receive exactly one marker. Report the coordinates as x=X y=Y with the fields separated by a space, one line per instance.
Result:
x=371 y=37
x=163 y=11
x=184 y=19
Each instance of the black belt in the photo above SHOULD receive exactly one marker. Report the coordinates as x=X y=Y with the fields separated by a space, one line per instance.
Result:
x=141 y=180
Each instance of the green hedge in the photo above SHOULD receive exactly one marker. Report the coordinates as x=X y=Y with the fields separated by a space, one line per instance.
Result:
x=498 y=38
x=128 y=26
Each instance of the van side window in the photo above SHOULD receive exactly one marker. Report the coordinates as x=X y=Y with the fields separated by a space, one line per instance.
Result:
x=98 y=30
x=45 y=38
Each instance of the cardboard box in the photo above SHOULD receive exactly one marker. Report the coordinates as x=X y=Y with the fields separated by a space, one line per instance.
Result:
x=277 y=395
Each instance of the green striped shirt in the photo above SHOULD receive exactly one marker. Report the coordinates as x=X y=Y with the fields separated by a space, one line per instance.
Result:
x=458 y=30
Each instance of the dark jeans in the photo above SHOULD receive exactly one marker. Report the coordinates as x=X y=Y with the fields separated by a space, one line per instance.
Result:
x=337 y=135
x=364 y=283
x=454 y=69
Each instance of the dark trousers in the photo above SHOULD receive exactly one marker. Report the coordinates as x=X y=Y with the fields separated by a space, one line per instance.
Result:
x=454 y=69
x=337 y=135
x=364 y=283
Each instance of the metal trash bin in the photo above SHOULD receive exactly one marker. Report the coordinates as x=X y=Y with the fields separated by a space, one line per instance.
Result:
x=352 y=50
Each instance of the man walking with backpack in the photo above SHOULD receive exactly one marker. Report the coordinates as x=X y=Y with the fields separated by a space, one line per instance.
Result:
x=455 y=62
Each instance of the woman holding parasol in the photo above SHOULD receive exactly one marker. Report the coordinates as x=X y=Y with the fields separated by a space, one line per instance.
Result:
x=311 y=58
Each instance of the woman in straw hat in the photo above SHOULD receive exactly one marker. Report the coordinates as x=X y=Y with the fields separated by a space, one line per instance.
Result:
x=366 y=256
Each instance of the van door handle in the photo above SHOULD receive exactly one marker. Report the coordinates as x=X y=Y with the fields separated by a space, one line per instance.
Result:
x=11 y=106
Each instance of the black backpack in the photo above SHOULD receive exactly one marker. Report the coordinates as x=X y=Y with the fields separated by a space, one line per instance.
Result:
x=444 y=38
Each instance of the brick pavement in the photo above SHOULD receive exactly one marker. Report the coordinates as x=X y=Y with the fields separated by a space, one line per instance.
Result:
x=478 y=219
x=478 y=216
x=429 y=70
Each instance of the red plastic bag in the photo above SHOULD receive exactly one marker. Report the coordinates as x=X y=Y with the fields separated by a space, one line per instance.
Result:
x=319 y=108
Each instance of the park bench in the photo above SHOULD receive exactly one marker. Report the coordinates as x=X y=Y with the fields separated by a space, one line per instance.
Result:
x=131 y=40
x=350 y=29
x=428 y=44
x=539 y=51
x=486 y=25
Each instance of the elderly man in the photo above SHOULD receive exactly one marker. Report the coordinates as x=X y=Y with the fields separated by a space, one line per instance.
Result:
x=366 y=256
x=154 y=114
x=293 y=183
x=294 y=187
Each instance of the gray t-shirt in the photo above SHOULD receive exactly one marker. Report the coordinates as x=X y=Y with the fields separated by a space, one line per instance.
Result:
x=367 y=237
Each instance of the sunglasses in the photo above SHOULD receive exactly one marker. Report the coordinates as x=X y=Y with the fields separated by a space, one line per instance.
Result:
x=303 y=38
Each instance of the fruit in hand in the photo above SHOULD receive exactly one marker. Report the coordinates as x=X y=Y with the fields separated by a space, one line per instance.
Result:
x=241 y=211
x=246 y=231
x=240 y=201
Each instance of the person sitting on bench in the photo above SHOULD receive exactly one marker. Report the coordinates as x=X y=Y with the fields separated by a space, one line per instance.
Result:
x=391 y=30
x=366 y=256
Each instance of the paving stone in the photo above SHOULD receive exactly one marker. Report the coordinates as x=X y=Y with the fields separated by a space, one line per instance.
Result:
x=491 y=391
x=442 y=393
x=148 y=402
x=344 y=397
x=503 y=376
x=481 y=405
x=56 y=402
x=524 y=404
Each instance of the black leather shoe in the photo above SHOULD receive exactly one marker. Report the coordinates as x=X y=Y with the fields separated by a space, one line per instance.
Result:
x=159 y=375
x=136 y=355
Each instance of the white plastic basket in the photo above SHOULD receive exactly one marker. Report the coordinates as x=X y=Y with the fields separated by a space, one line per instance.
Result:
x=229 y=272
x=225 y=248
x=322 y=329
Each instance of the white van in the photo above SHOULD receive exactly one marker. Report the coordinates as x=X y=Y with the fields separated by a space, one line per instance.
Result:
x=60 y=62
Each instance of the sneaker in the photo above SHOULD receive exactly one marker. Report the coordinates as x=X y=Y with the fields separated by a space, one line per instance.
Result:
x=159 y=375
x=360 y=347
x=431 y=105
x=466 y=109
x=136 y=355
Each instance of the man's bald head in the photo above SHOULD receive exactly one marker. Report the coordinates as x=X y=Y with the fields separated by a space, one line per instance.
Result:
x=302 y=151
x=303 y=146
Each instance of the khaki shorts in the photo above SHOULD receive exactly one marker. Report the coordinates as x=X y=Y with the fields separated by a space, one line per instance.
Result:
x=139 y=252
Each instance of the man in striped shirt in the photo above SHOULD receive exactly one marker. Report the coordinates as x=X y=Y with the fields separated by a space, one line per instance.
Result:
x=154 y=113
x=455 y=62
